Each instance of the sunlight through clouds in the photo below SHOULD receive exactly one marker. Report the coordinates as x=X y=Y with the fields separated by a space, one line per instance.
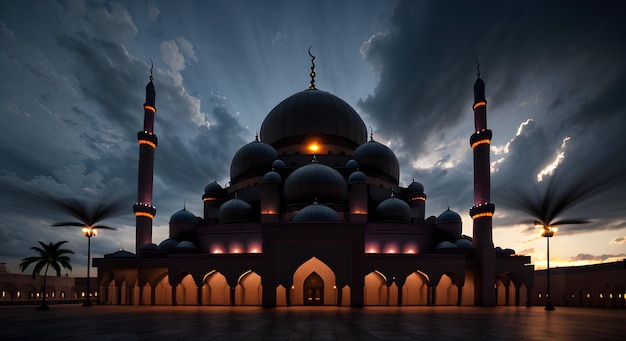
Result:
x=560 y=155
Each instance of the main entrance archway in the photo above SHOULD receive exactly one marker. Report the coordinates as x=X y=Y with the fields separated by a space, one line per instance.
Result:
x=314 y=290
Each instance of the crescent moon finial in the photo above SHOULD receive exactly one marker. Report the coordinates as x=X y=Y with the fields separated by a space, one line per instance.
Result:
x=151 y=66
x=312 y=74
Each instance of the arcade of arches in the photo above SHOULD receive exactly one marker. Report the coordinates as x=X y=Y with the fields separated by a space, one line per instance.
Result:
x=314 y=283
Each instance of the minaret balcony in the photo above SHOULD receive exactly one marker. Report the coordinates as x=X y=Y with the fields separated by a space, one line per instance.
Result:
x=480 y=137
x=146 y=210
x=148 y=137
x=482 y=210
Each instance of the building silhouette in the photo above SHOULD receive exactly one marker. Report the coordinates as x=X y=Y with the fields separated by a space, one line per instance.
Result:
x=314 y=214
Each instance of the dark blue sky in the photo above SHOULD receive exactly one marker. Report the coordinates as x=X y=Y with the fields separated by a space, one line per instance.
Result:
x=73 y=77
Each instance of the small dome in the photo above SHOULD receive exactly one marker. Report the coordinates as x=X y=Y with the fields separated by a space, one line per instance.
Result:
x=255 y=158
x=313 y=112
x=375 y=158
x=121 y=253
x=394 y=209
x=185 y=244
x=357 y=176
x=167 y=244
x=352 y=163
x=464 y=244
x=448 y=216
x=415 y=187
x=315 y=181
x=445 y=245
x=183 y=216
x=235 y=211
x=278 y=163
x=316 y=213
x=272 y=177
x=149 y=246
x=213 y=189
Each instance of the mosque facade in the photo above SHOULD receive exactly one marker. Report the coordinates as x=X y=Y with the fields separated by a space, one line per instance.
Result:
x=314 y=214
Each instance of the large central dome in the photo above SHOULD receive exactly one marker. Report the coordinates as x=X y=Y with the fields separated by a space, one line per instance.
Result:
x=313 y=112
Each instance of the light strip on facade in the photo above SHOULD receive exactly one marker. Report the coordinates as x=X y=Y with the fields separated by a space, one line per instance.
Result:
x=144 y=214
x=483 y=214
x=487 y=141
x=149 y=143
x=479 y=104
x=151 y=108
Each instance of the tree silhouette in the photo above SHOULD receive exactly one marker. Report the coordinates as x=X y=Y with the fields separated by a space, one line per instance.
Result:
x=50 y=255
x=88 y=215
x=547 y=203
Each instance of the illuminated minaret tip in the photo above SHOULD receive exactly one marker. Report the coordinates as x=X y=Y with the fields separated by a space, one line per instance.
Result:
x=144 y=210
x=482 y=210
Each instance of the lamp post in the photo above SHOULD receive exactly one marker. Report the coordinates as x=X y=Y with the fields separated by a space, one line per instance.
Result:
x=89 y=232
x=548 y=232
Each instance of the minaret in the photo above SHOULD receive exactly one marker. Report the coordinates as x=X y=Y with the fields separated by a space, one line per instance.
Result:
x=144 y=211
x=482 y=211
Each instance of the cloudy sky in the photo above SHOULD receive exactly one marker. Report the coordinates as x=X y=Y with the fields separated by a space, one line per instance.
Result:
x=74 y=72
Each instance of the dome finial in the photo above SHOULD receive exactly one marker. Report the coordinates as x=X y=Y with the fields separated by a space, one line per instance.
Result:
x=477 y=66
x=371 y=134
x=185 y=204
x=151 y=66
x=256 y=136
x=312 y=74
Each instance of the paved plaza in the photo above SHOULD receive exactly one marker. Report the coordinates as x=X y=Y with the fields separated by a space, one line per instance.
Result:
x=74 y=322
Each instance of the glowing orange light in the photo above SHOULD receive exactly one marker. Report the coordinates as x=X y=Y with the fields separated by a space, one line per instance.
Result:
x=209 y=199
x=359 y=212
x=483 y=214
x=268 y=212
x=236 y=251
x=149 y=143
x=255 y=251
x=410 y=251
x=217 y=251
x=90 y=232
x=151 y=108
x=487 y=141
x=418 y=198
x=314 y=148
x=371 y=251
x=391 y=251
x=144 y=214
x=479 y=104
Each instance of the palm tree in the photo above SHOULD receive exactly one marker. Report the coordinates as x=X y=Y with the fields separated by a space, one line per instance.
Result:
x=88 y=216
x=50 y=255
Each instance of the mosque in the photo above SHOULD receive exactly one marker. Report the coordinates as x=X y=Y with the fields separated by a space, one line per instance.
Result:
x=314 y=214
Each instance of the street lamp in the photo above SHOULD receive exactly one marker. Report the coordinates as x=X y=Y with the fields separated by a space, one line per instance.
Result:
x=89 y=232
x=548 y=232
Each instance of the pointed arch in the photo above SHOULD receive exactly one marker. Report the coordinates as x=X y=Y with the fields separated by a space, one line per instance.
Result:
x=446 y=291
x=415 y=289
x=326 y=274
x=215 y=289
x=249 y=290
x=375 y=291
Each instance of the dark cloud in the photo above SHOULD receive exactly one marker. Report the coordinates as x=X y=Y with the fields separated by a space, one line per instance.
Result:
x=560 y=65
x=86 y=114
